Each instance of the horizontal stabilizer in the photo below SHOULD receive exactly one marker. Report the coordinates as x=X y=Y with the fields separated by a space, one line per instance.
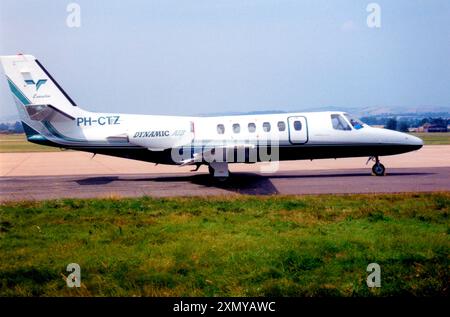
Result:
x=47 y=113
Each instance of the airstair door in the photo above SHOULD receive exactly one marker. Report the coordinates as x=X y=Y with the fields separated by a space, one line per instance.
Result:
x=298 y=130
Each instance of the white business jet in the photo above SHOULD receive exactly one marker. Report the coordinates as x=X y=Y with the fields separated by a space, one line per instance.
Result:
x=50 y=117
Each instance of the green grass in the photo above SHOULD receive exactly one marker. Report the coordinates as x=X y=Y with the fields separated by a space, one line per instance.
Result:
x=434 y=138
x=13 y=143
x=247 y=246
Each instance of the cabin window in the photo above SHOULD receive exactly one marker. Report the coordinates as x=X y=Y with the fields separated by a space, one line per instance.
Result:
x=281 y=126
x=297 y=125
x=236 y=128
x=339 y=123
x=220 y=129
x=251 y=127
x=266 y=127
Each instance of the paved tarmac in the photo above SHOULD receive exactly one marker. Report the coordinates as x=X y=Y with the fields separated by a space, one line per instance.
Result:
x=302 y=182
x=81 y=163
x=78 y=174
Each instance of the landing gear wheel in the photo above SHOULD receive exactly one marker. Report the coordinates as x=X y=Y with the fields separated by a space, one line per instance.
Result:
x=210 y=170
x=219 y=179
x=219 y=171
x=378 y=169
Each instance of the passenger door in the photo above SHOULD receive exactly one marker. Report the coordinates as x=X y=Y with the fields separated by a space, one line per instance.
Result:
x=298 y=130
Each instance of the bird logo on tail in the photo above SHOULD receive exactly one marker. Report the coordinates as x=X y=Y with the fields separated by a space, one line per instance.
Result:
x=38 y=84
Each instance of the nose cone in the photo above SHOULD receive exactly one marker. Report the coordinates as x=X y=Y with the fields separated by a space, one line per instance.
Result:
x=407 y=141
x=414 y=141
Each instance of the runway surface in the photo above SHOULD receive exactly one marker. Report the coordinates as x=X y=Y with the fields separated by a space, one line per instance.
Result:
x=81 y=163
x=201 y=184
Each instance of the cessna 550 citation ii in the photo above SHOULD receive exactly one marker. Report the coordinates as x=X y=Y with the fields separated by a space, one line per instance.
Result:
x=50 y=117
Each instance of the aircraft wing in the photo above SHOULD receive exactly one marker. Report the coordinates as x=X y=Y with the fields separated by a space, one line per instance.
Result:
x=209 y=153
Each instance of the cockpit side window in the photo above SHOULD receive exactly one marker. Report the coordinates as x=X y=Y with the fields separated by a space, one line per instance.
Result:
x=357 y=124
x=339 y=123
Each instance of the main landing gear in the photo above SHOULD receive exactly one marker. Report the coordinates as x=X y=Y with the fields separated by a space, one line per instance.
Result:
x=219 y=170
x=378 y=169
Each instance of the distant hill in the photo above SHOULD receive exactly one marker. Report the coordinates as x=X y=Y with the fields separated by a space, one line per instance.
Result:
x=357 y=111
x=385 y=110
x=427 y=111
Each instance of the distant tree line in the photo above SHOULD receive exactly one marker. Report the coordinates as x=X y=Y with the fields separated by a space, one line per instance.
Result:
x=403 y=124
x=15 y=127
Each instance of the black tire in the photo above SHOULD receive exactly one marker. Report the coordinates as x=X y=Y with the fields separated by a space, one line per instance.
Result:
x=379 y=170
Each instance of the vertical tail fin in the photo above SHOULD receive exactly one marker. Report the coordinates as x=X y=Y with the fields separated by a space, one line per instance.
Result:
x=40 y=100
x=31 y=84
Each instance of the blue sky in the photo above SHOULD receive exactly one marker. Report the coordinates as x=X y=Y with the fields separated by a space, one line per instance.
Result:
x=190 y=57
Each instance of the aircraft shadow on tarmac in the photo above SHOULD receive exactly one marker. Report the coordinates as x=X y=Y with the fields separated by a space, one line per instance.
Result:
x=251 y=184
x=243 y=183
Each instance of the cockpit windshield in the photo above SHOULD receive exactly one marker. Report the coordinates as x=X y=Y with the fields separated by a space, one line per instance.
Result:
x=339 y=123
x=357 y=124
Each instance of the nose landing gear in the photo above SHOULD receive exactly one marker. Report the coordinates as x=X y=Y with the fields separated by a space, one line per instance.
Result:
x=378 y=169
